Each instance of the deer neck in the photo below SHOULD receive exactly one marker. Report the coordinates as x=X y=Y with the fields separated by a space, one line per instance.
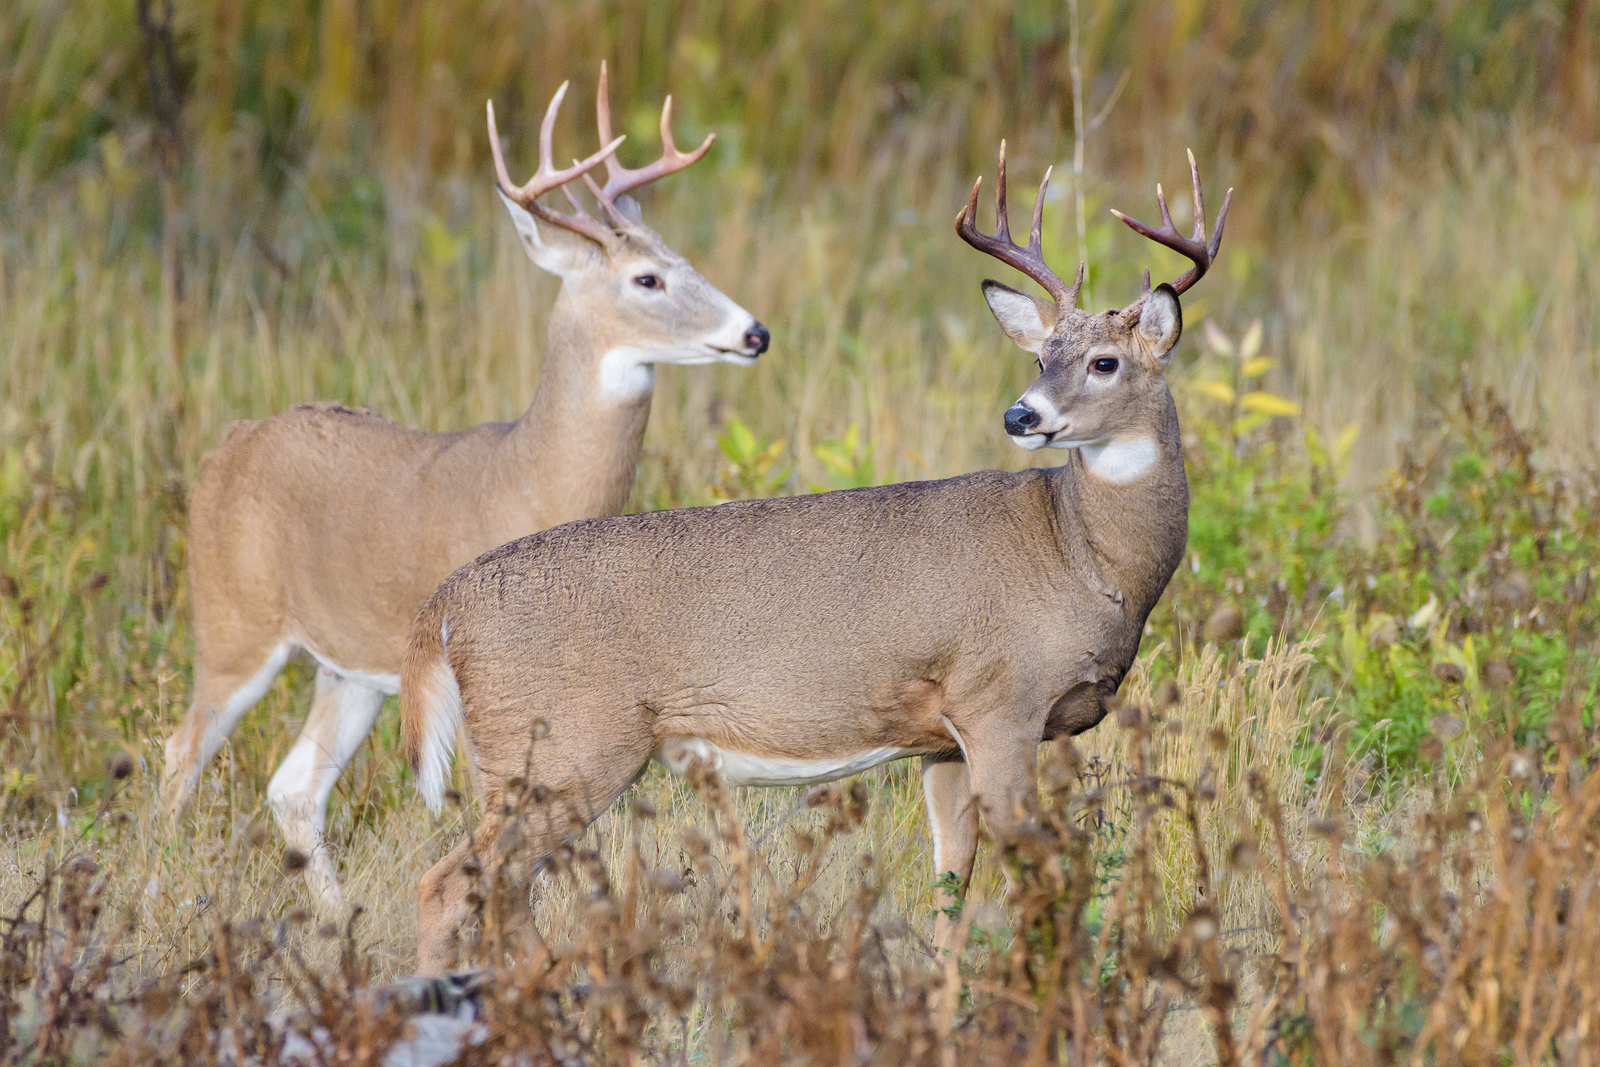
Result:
x=574 y=452
x=1123 y=509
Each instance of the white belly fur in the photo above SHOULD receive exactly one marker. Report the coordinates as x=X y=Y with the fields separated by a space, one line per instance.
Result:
x=384 y=683
x=677 y=754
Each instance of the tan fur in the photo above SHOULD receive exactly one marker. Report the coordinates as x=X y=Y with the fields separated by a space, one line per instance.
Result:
x=996 y=610
x=326 y=527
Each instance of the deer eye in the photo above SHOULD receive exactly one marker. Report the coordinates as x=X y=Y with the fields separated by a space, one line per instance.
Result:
x=647 y=281
x=1104 y=365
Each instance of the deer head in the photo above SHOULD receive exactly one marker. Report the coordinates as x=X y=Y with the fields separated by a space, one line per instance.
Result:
x=1100 y=376
x=647 y=300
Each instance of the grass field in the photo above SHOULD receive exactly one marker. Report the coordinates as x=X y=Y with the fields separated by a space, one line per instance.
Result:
x=1386 y=621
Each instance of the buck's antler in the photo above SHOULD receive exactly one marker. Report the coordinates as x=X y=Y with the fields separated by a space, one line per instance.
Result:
x=1029 y=260
x=620 y=179
x=1195 y=247
x=547 y=177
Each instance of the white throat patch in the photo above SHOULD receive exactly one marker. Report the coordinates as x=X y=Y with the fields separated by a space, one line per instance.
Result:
x=626 y=373
x=1121 y=462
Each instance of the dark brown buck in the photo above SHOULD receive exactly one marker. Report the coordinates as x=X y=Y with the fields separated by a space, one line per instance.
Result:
x=324 y=529
x=803 y=639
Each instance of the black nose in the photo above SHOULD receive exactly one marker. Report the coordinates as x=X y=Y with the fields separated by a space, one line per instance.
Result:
x=756 y=337
x=1020 y=420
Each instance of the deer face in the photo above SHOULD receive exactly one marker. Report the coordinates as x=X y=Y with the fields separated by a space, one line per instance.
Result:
x=1096 y=372
x=644 y=303
x=639 y=301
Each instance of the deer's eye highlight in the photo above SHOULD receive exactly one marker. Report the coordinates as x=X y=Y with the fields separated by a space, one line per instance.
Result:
x=647 y=281
x=1104 y=365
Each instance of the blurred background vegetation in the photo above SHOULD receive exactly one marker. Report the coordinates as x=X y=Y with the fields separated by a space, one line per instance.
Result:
x=213 y=210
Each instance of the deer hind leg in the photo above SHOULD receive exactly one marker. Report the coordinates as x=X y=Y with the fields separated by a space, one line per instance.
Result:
x=342 y=714
x=511 y=844
x=953 y=820
x=504 y=856
x=221 y=698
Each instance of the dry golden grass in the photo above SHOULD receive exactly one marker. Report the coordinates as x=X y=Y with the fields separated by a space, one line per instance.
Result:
x=1415 y=206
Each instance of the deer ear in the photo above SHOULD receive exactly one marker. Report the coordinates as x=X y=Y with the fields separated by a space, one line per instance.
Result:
x=554 y=249
x=1027 y=320
x=1161 y=321
x=630 y=209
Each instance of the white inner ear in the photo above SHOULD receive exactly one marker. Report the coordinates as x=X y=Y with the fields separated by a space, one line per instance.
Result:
x=550 y=257
x=1160 y=322
x=1019 y=316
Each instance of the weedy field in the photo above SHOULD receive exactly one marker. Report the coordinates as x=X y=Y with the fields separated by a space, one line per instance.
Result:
x=1348 y=812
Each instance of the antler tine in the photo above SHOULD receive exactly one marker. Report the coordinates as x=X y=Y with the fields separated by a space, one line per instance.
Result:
x=1199 y=251
x=620 y=179
x=547 y=177
x=1029 y=260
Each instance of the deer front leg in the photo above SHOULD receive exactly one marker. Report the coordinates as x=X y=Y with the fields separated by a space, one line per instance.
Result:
x=953 y=820
x=998 y=778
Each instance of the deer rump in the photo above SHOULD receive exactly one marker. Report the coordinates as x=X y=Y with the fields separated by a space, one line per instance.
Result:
x=795 y=639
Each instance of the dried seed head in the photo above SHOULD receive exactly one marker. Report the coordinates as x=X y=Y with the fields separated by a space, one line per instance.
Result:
x=452 y=796
x=665 y=882
x=1225 y=625
x=97 y=581
x=294 y=860
x=471 y=867
x=539 y=730
x=1497 y=673
x=8 y=587
x=1449 y=673
x=643 y=808
x=1168 y=695
x=1446 y=726
x=119 y=766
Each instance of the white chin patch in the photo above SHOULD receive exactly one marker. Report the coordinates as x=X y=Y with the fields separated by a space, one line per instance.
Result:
x=1030 y=442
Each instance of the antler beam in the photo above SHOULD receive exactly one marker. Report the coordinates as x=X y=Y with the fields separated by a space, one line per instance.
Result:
x=547 y=177
x=1195 y=248
x=620 y=179
x=1029 y=260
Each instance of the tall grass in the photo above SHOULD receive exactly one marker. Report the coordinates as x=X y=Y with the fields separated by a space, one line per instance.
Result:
x=1415 y=220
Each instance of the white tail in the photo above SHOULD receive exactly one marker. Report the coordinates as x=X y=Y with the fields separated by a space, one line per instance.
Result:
x=807 y=638
x=437 y=716
x=323 y=529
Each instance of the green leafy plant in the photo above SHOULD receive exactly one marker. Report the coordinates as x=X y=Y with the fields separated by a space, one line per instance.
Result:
x=755 y=466
x=848 y=462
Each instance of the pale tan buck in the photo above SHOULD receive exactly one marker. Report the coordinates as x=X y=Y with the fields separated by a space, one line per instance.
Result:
x=803 y=639
x=325 y=528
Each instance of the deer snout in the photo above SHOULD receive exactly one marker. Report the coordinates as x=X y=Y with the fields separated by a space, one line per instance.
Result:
x=1021 y=420
x=756 y=339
